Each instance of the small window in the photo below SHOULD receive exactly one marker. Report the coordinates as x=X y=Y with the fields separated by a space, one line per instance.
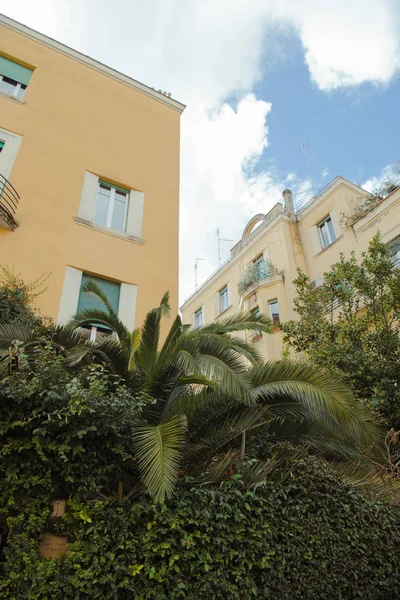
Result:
x=2 y=144
x=223 y=299
x=87 y=301
x=13 y=78
x=274 y=312
x=198 y=318
x=111 y=206
x=326 y=232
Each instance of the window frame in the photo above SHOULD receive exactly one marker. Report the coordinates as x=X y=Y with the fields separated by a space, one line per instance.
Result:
x=19 y=86
x=198 y=313
x=270 y=304
x=223 y=293
x=322 y=227
x=113 y=190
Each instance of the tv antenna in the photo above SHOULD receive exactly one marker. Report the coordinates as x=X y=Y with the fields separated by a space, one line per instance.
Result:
x=308 y=160
x=196 y=266
x=219 y=246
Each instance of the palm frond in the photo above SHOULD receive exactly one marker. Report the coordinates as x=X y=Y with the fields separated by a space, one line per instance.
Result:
x=325 y=398
x=241 y=321
x=147 y=352
x=100 y=317
x=92 y=288
x=158 y=452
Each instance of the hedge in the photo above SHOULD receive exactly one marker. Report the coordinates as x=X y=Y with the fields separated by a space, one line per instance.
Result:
x=312 y=538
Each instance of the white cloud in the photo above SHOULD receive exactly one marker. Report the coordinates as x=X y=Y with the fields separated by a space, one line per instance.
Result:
x=347 y=42
x=390 y=173
x=205 y=52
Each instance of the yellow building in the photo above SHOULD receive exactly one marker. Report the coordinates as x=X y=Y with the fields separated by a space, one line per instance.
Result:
x=259 y=275
x=89 y=177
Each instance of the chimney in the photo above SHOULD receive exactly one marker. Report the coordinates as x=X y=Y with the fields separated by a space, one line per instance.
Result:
x=288 y=204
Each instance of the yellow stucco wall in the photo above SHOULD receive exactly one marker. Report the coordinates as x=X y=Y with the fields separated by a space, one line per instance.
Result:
x=76 y=119
x=274 y=238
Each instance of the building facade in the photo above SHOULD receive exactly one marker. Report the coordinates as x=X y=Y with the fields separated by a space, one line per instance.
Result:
x=263 y=264
x=89 y=178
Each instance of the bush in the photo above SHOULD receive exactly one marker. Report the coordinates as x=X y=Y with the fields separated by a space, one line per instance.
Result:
x=16 y=300
x=69 y=434
x=311 y=538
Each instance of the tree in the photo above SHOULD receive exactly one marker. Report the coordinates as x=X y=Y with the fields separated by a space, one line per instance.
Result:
x=16 y=299
x=352 y=324
x=209 y=409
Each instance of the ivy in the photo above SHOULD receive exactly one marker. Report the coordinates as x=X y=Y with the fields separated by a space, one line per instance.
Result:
x=311 y=538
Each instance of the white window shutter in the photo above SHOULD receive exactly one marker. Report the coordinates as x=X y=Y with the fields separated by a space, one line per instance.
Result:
x=88 y=196
x=134 y=221
x=127 y=305
x=335 y=222
x=315 y=239
x=9 y=152
x=69 y=295
x=193 y=320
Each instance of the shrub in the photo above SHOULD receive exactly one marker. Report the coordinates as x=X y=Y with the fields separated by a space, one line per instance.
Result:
x=311 y=538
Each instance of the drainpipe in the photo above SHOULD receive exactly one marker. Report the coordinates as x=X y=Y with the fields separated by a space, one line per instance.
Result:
x=294 y=231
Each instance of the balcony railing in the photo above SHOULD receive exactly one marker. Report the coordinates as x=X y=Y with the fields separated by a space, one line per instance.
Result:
x=9 y=199
x=256 y=272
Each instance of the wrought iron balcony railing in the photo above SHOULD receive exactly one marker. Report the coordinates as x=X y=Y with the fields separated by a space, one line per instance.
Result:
x=9 y=199
x=256 y=272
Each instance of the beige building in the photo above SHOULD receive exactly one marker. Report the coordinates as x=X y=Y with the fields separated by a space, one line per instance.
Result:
x=263 y=264
x=89 y=177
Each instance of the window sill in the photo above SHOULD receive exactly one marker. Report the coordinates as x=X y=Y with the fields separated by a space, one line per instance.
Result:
x=113 y=232
x=224 y=311
x=330 y=246
x=10 y=97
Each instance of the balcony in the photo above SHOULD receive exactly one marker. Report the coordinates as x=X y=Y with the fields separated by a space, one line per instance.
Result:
x=263 y=270
x=9 y=199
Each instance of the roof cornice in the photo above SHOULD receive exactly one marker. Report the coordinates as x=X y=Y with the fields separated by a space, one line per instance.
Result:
x=89 y=62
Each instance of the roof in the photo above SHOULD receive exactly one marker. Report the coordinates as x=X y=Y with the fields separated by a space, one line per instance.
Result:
x=90 y=62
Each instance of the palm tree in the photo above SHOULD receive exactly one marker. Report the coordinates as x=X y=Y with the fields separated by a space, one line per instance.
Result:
x=212 y=394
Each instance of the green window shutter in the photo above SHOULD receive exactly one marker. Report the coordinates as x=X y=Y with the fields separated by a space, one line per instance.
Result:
x=13 y=70
x=1 y=145
x=116 y=187
x=89 y=302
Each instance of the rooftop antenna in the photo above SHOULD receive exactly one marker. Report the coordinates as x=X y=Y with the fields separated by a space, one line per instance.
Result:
x=219 y=246
x=308 y=160
x=196 y=266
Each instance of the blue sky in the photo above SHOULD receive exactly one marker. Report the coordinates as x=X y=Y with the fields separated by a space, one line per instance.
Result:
x=352 y=132
x=259 y=77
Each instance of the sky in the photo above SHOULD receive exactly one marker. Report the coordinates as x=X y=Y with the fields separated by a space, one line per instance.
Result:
x=279 y=93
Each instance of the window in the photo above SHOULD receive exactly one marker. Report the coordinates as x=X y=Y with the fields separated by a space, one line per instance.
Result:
x=326 y=232
x=198 y=318
x=13 y=78
x=111 y=206
x=394 y=250
x=260 y=266
x=223 y=299
x=274 y=312
x=2 y=144
x=88 y=301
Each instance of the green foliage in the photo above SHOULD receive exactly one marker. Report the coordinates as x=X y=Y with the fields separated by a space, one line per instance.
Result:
x=352 y=324
x=63 y=432
x=16 y=298
x=310 y=537
x=255 y=272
